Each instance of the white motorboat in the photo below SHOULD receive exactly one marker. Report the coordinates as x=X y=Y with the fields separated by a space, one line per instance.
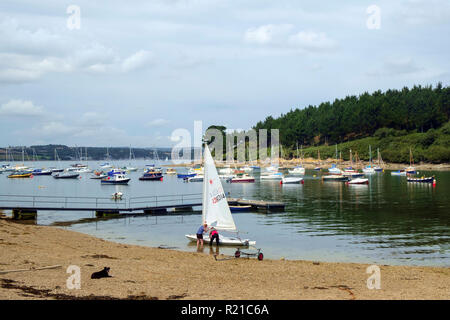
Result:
x=215 y=210
x=398 y=173
x=271 y=176
x=298 y=170
x=197 y=178
x=292 y=180
x=359 y=181
x=369 y=170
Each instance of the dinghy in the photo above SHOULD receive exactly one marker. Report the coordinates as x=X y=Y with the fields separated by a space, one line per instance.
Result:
x=215 y=210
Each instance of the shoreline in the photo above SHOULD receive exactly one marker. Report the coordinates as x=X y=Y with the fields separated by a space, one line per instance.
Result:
x=310 y=163
x=140 y=272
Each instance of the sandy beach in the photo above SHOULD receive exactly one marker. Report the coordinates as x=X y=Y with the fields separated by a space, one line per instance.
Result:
x=152 y=273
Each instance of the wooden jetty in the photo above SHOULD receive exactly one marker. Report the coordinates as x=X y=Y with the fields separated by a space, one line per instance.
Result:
x=27 y=207
x=260 y=205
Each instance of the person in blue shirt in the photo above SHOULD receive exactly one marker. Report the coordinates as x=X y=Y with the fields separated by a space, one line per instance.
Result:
x=200 y=232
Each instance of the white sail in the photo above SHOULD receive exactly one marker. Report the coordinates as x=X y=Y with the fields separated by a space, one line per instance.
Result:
x=216 y=211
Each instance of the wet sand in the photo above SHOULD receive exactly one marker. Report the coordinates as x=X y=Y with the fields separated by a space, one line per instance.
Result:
x=151 y=273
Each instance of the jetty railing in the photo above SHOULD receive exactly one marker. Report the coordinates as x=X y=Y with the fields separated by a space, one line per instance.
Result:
x=96 y=203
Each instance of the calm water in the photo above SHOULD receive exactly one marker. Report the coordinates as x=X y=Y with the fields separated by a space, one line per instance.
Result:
x=389 y=221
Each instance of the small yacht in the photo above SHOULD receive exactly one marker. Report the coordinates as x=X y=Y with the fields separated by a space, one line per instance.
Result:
x=298 y=170
x=42 y=172
x=334 y=169
x=116 y=178
x=292 y=180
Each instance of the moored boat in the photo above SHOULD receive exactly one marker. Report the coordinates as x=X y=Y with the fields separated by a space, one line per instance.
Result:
x=186 y=175
x=335 y=177
x=334 y=170
x=20 y=174
x=118 y=178
x=151 y=175
x=240 y=208
x=298 y=170
x=358 y=181
x=171 y=171
x=41 y=172
x=245 y=178
x=422 y=179
x=272 y=176
x=197 y=178
x=66 y=175
x=292 y=180
x=398 y=173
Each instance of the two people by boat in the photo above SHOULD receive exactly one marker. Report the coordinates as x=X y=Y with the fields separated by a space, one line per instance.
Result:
x=213 y=235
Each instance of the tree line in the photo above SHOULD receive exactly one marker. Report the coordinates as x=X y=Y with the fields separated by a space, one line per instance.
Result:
x=418 y=109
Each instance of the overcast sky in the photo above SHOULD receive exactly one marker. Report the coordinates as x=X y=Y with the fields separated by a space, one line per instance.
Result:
x=137 y=70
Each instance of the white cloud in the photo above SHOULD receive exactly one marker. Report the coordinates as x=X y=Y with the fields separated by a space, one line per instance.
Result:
x=27 y=55
x=267 y=34
x=282 y=36
x=22 y=108
x=310 y=40
x=138 y=60
x=421 y=12
x=158 y=122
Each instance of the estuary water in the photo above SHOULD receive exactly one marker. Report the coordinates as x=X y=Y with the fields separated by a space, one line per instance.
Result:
x=389 y=221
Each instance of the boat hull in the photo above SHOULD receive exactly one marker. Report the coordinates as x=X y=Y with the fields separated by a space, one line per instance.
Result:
x=240 y=208
x=151 y=178
x=26 y=175
x=47 y=173
x=224 y=240
x=359 y=181
x=421 y=180
x=115 y=182
x=71 y=176
x=335 y=178
x=292 y=180
x=242 y=180
x=189 y=175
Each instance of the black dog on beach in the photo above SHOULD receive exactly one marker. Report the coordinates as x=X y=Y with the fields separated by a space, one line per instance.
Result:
x=101 y=274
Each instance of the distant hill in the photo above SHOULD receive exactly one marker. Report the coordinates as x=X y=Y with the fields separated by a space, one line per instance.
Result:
x=47 y=152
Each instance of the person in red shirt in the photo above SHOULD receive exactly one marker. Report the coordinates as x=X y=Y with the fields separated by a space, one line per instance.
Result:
x=213 y=234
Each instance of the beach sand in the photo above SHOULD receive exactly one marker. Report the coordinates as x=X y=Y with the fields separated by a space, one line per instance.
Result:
x=151 y=273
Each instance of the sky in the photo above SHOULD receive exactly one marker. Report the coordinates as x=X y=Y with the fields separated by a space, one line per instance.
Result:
x=121 y=73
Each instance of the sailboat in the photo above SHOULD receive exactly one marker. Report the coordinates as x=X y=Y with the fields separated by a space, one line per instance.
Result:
x=215 y=210
x=410 y=169
x=334 y=169
x=130 y=168
x=378 y=167
x=298 y=170
x=58 y=161
x=318 y=168
x=369 y=169
x=106 y=165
